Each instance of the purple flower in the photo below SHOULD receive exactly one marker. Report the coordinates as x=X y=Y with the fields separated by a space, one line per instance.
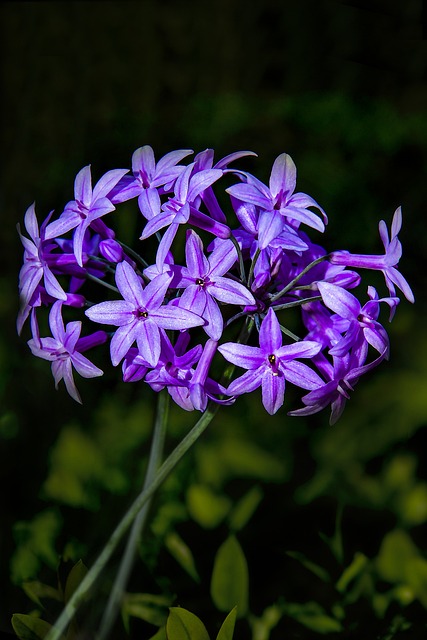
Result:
x=362 y=321
x=64 y=349
x=148 y=177
x=204 y=283
x=36 y=261
x=278 y=198
x=140 y=315
x=386 y=263
x=89 y=205
x=271 y=364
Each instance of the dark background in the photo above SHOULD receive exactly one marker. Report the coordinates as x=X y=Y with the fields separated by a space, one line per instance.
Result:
x=340 y=86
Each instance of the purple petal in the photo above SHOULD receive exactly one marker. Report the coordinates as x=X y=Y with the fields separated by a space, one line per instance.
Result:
x=171 y=159
x=72 y=334
x=85 y=367
x=52 y=285
x=68 y=220
x=230 y=291
x=303 y=215
x=201 y=181
x=249 y=194
x=270 y=225
x=182 y=182
x=30 y=221
x=129 y=285
x=301 y=349
x=224 y=162
x=56 y=322
x=143 y=161
x=213 y=316
x=154 y=293
x=121 y=342
x=148 y=340
x=270 y=335
x=83 y=186
x=114 y=312
x=301 y=375
x=273 y=391
x=149 y=203
x=246 y=383
x=107 y=183
x=222 y=258
x=197 y=264
x=339 y=300
x=194 y=299
x=283 y=176
x=242 y=355
x=163 y=219
x=172 y=317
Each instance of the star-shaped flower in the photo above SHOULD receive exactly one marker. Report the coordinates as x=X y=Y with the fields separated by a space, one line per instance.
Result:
x=140 y=315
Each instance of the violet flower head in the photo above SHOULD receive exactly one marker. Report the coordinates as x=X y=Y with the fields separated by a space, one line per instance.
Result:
x=271 y=364
x=64 y=349
x=140 y=315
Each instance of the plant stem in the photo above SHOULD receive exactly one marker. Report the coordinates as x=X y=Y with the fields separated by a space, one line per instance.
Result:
x=169 y=464
x=154 y=461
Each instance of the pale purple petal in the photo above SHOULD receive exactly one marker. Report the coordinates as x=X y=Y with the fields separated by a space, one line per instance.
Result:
x=149 y=203
x=249 y=194
x=301 y=375
x=148 y=340
x=301 y=349
x=197 y=263
x=72 y=334
x=121 y=342
x=83 y=186
x=172 y=317
x=283 y=176
x=222 y=258
x=303 y=215
x=52 y=285
x=270 y=225
x=270 y=335
x=154 y=293
x=114 y=312
x=246 y=383
x=56 y=322
x=68 y=220
x=339 y=300
x=201 y=181
x=163 y=219
x=273 y=391
x=194 y=299
x=214 y=321
x=30 y=221
x=143 y=161
x=171 y=159
x=230 y=291
x=129 y=285
x=85 y=367
x=242 y=355
x=107 y=183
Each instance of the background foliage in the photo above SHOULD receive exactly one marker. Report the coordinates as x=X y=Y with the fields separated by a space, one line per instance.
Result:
x=312 y=530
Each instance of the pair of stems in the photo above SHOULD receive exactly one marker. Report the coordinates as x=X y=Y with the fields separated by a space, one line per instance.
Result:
x=137 y=512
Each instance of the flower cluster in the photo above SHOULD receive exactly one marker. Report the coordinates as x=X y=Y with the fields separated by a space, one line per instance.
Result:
x=169 y=310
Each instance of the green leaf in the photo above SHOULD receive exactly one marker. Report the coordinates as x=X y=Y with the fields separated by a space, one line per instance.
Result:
x=354 y=569
x=262 y=627
x=74 y=578
x=312 y=616
x=29 y=627
x=396 y=550
x=245 y=508
x=184 y=625
x=182 y=554
x=230 y=580
x=227 y=628
x=160 y=634
x=145 y=606
x=37 y=590
x=206 y=507
x=320 y=572
x=416 y=577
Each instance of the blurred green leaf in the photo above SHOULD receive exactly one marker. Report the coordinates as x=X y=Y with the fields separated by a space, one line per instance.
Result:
x=412 y=505
x=312 y=616
x=230 y=579
x=37 y=591
x=29 y=627
x=227 y=628
x=320 y=572
x=243 y=511
x=396 y=550
x=262 y=627
x=145 y=606
x=184 y=625
x=76 y=575
x=160 y=634
x=206 y=507
x=416 y=578
x=35 y=545
x=182 y=554
x=352 y=571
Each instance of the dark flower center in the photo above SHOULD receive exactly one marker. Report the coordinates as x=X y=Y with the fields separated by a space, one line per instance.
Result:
x=272 y=358
x=141 y=313
x=200 y=282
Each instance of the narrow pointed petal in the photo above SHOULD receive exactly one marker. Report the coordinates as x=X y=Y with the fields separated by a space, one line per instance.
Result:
x=249 y=194
x=283 y=176
x=270 y=335
x=339 y=300
x=197 y=263
x=175 y=318
x=273 y=391
x=67 y=221
x=52 y=285
x=143 y=161
x=242 y=355
x=85 y=367
x=222 y=259
x=163 y=219
x=154 y=293
x=30 y=222
x=107 y=183
x=148 y=341
x=305 y=216
x=301 y=349
x=129 y=284
x=230 y=291
x=114 y=312
x=201 y=181
x=149 y=203
x=246 y=383
x=214 y=321
x=121 y=342
x=301 y=375
x=83 y=186
x=171 y=159
x=270 y=225
x=56 y=322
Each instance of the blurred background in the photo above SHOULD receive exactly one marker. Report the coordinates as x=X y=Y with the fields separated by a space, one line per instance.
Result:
x=341 y=87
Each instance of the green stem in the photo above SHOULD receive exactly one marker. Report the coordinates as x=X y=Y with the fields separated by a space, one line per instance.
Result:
x=169 y=464
x=290 y=285
x=154 y=460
